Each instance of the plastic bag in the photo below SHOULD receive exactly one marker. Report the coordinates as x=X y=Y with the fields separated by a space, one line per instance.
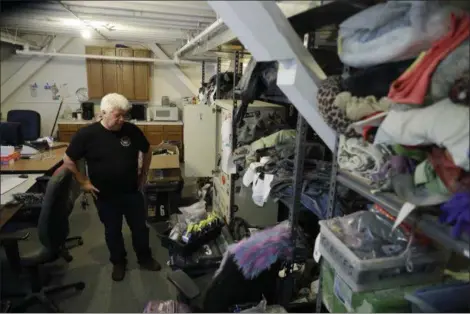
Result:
x=169 y=306
x=260 y=308
x=194 y=212
x=368 y=235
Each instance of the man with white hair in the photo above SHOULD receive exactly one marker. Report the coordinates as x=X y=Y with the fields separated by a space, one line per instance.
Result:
x=111 y=149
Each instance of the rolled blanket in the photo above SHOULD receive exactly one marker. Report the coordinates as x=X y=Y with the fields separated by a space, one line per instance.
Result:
x=360 y=157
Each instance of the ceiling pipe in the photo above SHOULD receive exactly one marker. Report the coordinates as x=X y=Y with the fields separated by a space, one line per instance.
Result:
x=211 y=28
x=99 y=57
x=15 y=40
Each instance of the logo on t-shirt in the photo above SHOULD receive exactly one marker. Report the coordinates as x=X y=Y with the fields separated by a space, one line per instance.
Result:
x=125 y=141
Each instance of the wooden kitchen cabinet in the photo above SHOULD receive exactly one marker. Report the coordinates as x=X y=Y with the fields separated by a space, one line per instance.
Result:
x=125 y=73
x=173 y=133
x=109 y=72
x=141 y=76
x=66 y=131
x=154 y=138
x=94 y=73
x=155 y=133
x=129 y=78
x=174 y=136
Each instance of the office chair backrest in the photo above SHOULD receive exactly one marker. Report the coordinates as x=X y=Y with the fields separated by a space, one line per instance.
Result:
x=11 y=134
x=53 y=225
x=30 y=122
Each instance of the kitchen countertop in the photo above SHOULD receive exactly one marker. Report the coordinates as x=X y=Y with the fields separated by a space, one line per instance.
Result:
x=179 y=122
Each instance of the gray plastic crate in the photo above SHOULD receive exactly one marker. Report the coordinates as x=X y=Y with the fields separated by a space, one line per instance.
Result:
x=378 y=273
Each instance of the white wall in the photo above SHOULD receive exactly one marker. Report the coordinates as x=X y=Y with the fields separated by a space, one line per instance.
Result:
x=73 y=73
x=59 y=71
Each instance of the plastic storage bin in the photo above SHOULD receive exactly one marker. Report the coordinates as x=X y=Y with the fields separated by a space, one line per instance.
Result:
x=338 y=297
x=448 y=298
x=377 y=273
x=189 y=248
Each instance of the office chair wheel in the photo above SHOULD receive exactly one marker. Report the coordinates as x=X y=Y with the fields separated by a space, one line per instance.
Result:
x=80 y=242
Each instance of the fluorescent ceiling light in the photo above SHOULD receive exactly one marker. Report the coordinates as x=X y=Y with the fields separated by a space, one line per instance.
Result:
x=86 y=34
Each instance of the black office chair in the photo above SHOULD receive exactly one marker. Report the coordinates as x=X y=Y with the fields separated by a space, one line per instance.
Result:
x=28 y=216
x=30 y=122
x=11 y=133
x=53 y=228
x=226 y=289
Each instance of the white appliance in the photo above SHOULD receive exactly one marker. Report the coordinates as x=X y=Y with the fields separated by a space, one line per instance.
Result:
x=164 y=113
x=202 y=151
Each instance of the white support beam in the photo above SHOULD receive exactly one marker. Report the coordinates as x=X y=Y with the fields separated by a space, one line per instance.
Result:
x=30 y=68
x=265 y=31
x=225 y=35
x=15 y=40
x=184 y=81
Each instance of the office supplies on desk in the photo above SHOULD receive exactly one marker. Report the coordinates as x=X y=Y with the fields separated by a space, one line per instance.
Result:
x=7 y=150
x=38 y=144
x=10 y=183
x=27 y=150
x=35 y=164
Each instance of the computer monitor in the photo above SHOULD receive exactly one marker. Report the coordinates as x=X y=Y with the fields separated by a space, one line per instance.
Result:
x=11 y=134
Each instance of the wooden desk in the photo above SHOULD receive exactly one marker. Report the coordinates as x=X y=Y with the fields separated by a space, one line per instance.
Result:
x=35 y=165
x=7 y=212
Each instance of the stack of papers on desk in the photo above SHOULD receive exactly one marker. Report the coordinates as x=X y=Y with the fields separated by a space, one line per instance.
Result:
x=7 y=151
x=28 y=151
x=9 y=183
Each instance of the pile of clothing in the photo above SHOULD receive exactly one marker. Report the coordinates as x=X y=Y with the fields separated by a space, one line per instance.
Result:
x=268 y=166
x=208 y=91
x=403 y=110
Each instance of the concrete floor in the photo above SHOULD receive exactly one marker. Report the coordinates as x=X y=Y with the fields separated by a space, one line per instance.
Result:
x=91 y=265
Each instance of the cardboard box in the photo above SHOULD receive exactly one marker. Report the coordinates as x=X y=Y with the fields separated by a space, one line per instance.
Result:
x=166 y=161
x=164 y=175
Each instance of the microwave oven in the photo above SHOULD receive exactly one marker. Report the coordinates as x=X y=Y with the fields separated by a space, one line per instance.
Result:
x=164 y=113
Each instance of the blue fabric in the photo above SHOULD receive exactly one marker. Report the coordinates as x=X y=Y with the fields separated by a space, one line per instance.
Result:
x=314 y=198
x=457 y=213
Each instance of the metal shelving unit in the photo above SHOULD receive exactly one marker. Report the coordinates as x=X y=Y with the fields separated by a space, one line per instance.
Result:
x=298 y=77
x=237 y=72
x=428 y=224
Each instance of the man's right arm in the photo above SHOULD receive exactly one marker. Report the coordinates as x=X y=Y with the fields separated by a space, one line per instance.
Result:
x=72 y=166
x=76 y=151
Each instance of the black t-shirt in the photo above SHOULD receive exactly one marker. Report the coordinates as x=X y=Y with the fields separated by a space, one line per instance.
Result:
x=111 y=156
